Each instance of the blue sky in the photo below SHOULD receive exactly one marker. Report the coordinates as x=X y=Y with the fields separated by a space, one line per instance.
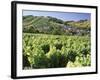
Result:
x=66 y=16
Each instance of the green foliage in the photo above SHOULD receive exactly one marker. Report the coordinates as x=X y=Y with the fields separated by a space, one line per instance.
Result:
x=45 y=47
x=39 y=59
x=54 y=58
x=50 y=51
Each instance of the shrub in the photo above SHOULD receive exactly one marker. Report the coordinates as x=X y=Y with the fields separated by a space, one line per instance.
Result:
x=38 y=59
x=45 y=48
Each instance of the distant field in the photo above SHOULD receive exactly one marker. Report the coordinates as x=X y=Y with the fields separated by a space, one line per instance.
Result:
x=52 y=51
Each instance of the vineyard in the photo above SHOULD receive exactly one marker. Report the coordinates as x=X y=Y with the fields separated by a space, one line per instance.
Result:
x=55 y=51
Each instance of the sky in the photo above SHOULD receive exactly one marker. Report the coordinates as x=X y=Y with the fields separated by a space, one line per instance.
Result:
x=66 y=16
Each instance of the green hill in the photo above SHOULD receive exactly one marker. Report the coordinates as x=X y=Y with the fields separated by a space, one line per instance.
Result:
x=51 y=25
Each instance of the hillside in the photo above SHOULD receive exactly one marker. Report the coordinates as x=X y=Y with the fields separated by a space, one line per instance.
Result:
x=51 y=25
